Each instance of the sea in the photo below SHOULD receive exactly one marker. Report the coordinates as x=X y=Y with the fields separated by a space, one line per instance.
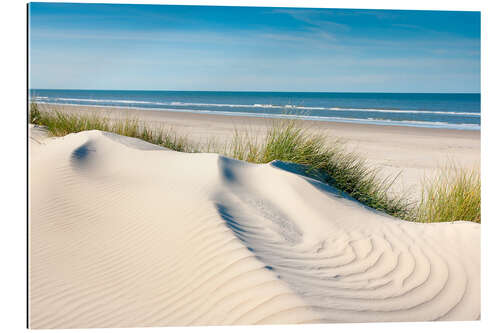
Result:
x=432 y=110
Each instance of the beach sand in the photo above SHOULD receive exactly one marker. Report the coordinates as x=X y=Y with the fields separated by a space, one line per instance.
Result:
x=127 y=234
x=413 y=153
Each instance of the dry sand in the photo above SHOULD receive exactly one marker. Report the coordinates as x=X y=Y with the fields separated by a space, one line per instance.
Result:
x=124 y=233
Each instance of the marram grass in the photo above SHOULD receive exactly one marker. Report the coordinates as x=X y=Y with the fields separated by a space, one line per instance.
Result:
x=287 y=141
x=454 y=196
x=60 y=123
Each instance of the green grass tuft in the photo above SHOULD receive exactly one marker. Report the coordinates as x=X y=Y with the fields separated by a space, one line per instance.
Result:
x=454 y=195
x=61 y=123
x=34 y=114
x=287 y=141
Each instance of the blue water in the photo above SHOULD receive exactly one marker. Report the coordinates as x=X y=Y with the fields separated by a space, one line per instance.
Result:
x=456 y=111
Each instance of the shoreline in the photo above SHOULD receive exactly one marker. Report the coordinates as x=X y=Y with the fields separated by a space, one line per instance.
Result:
x=358 y=121
x=414 y=152
x=173 y=114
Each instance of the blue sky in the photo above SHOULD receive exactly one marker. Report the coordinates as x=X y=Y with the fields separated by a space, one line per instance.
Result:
x=160 y=47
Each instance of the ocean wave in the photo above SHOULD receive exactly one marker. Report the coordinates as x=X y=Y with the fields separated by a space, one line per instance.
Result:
x=376 y=121
x=263 y=106
x=291 y=106
x=102 y=100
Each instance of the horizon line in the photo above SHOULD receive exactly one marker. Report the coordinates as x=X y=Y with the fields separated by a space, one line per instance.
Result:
x=264 y=91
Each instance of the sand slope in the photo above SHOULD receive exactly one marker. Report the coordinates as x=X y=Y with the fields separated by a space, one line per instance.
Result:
x=124 y=233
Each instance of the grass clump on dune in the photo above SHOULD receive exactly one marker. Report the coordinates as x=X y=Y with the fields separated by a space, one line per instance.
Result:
x=61 y=123
x=454 y=195
x=287 y=141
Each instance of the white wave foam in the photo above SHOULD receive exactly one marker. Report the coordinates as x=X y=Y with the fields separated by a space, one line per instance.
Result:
x=268 y=106
x=291 y=106
x=104 y=100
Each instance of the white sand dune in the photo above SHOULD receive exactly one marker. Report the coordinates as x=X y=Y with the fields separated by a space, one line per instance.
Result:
x=124 y=233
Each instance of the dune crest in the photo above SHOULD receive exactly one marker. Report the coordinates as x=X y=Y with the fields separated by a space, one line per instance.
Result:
x=124 y=233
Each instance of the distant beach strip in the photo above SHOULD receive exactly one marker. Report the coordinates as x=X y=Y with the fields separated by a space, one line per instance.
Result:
x=451 y=111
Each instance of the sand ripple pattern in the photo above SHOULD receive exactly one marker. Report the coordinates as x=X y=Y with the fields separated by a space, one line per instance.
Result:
x=123 y=234
x=350 y=263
